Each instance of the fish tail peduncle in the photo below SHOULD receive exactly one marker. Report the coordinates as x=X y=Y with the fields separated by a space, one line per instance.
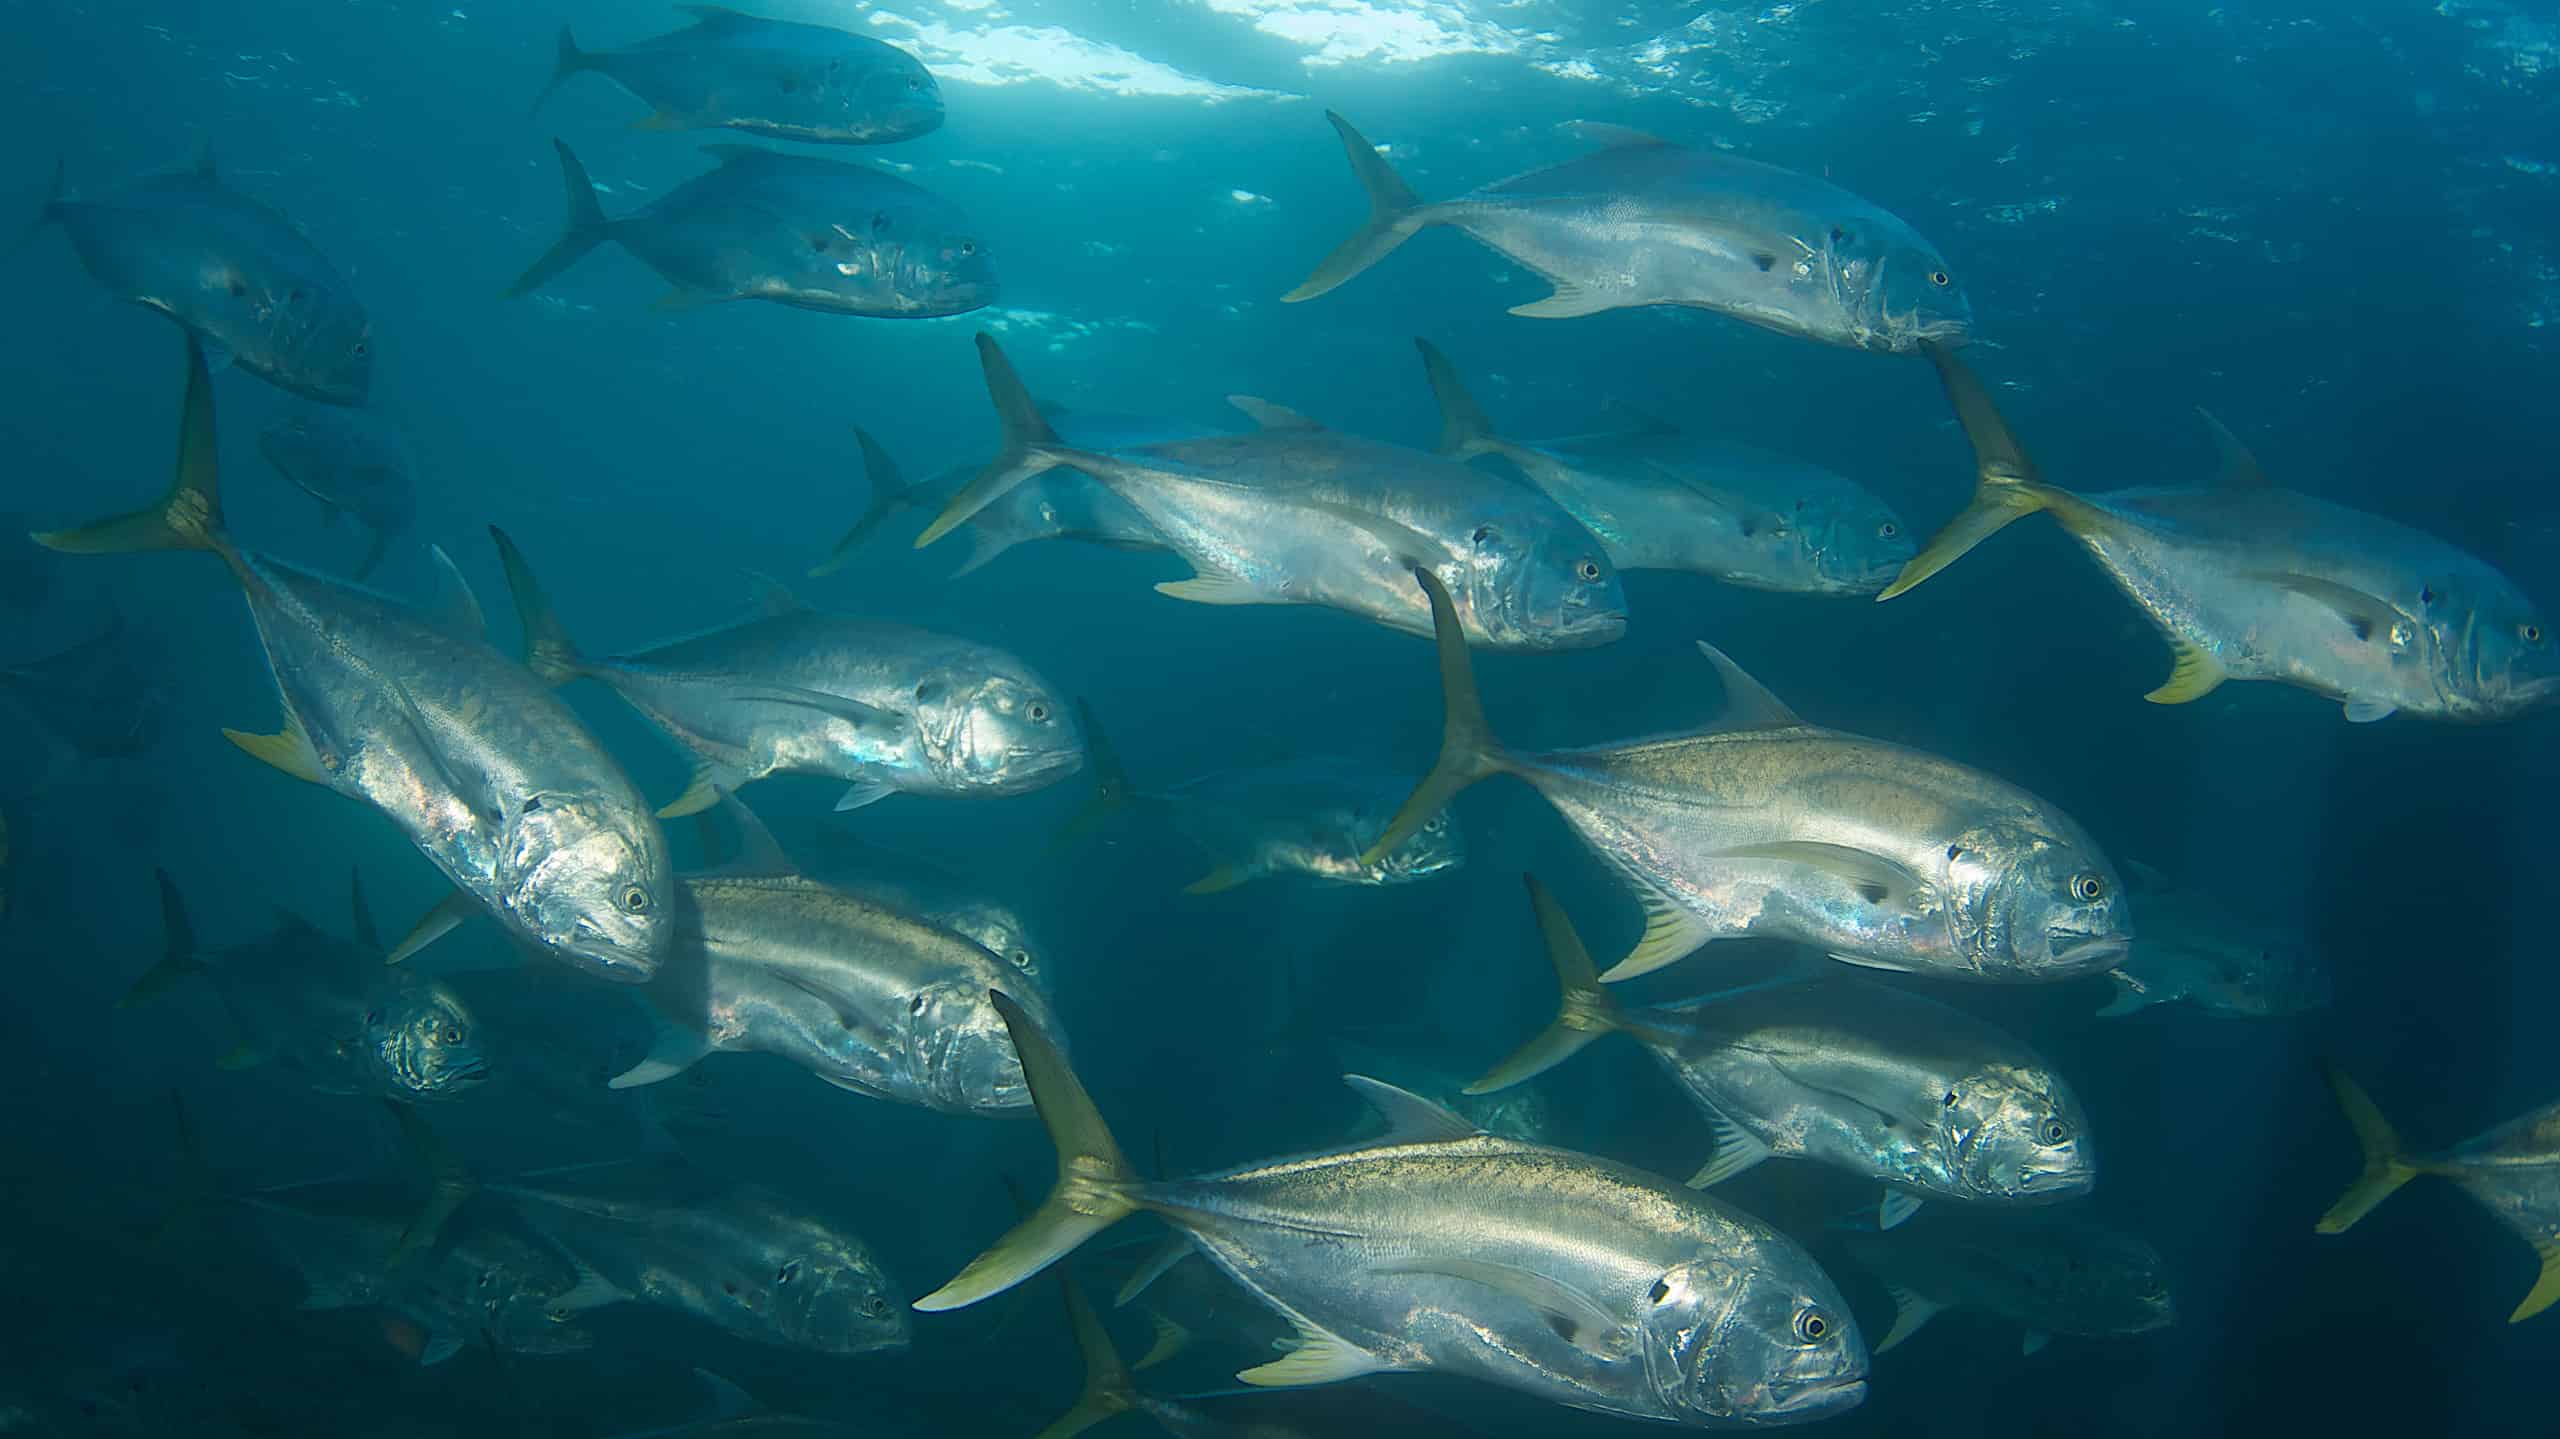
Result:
x=587 y=228
x=1468 y=749
x=1395 y=214
x=888 y=492
x=189 y=516
x=2386 y=1163
x=2006 y=485
x=1584 y=1013
x=1029 y=446
x=178 y=961
x=569 y=61
x=1096 y=1188
x=548 y=650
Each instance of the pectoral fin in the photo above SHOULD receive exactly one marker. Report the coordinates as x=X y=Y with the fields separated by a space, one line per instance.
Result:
x=2366 y=614
x=1878 y=879
x=1574 y=1315
x=1320 y=1358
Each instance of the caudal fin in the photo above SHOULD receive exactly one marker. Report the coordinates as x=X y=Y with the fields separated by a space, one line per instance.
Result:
x=1096 y=1188
x=570 y=61
x=548 y=650
x=1464 y=430
x=189 y=516
x=2006 y=485
x=1468 y=750
x=1029 y=446
x=1585 y=1012
x=586 y=228
x=2386 y=1163
x=1395 y=213
x=178 y=961
x=450 y=1185
x=1108 y=1389
x=889 y=493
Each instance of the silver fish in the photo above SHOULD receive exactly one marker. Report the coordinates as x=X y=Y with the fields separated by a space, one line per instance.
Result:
x=1067 y=504
x=326 y=1009
x=1662 y=500
x=238 y=277
x=752 y=1261
x=867 y=998
x=813 y=234
x=1843 y=1071
x=469 y=754
x=2048 y=1272
x=777 y=78
x=896 y=879
x=2249 y=582
x=1298 y=514
x=2198 y=950
x=1645 y=222
x=102 y=697
x=886 y=708
x=354 y=465
x=1767 y=827
x=1442 y=1248
x=2512 y=1170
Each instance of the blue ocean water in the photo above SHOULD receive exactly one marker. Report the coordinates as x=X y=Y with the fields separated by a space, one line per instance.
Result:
x=2333 y=225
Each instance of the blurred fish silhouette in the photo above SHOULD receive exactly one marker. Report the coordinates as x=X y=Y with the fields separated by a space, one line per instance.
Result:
x=101 y=697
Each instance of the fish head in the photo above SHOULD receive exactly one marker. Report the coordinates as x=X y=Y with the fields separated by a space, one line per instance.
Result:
x=1894 y=289
x=320 y=347
x=1437 y=846
x=2017 y=1135
x=827 y=1296
x=591 y=882
x=1001 y=734
x=2034 y=901
x=1856 y=545
x=428 y=1043
x=2500 y=657
x=2111 y=1282
x=894 y=99
x=999 y=932
x=1535 y=586
x=959 y=1056
x=1759 y=1337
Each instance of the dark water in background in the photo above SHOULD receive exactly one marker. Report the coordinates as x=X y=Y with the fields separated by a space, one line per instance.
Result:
x=2333 y=224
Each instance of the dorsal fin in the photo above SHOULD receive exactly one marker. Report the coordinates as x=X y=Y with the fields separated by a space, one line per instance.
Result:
x=1613 y=137
x=1270 y=416
x=773 y=596
x=1411 y=1119
x=456 y=610
x=2239 y=468
x=1748 y=704
x=759 y=853
x=717 y=16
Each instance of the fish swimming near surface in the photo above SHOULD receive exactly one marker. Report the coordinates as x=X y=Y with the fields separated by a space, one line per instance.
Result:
x=780 y=79
x=2250 y=582
x=466 y=752
x=326 y=1010
x=747 y=1259
x=354 y=464
x=1841 y=1070
x=1441 y=1248
x=870 y=999
x=2196 y=949
x=1642 y=221
x=2512 y=1170
x=2049 y=1273
x=1763 y=826
x=102 y=698
x=238 y=277
x=1661 y=500
x=885 y=708
x=1295 y=513
x=813 y=234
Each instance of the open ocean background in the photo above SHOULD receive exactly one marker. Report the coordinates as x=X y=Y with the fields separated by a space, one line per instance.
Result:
x=2336 y=225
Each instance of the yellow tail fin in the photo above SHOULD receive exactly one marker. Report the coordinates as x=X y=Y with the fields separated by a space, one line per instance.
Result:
x=1468 y=750
x=1584 y=1014
x=2006 y=486
x=2386 y=1164
x=189 y=516
x=1108 y=1389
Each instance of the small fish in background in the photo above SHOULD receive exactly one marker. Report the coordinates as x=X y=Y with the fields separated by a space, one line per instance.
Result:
x=2196 y=949
x=27 y=571
x=1841 y=1070
x=2250 y=582
x=102 y=698
x=1438 y=1247
x=325 y=1010
x=780 y=79
x=237 y=276
x=1295 y=513
x=354 y=464
x=2512 y=1170
x=885 y=708
x=900 y=879
x=1763 y=826
x=1311 y=817
x=814 y=234
x=2050 y=1273
x=415 y=716
x=1642 y=221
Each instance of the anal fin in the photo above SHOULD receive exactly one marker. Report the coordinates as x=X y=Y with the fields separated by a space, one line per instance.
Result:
x=1321 y=1357
x=2546 y=1290
x=2195 y=675
x=1570 y=301
x=1213 y=588
x=288 y=750
x=1737 y=1149
x=704 y=791
x=1671 y=932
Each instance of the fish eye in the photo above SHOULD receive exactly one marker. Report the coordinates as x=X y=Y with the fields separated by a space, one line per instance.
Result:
x=876 y=1307
x=2088 y=888
x=1435 y=824
x=1811 y=1326
x=1483 y=533
x=2426 y=594
x=787 y=1272
x=451 y=1034
x=916 y=1006
x=1037 y=712
x=2054 y=1132
x=362 y=349
x=372 y=1018
x=1839 y=236
x=1940 y=279
x=915 y=82
x=1950 y=1101
x=2529 y=632
x=968 y=247
x=1589 y=570
x=1021 y=959
x=1661 y=1290
x=634 y=900
x=1888 y=530
x=879 y=222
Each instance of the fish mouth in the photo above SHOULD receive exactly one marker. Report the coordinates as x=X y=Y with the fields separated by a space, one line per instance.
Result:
x=471 y=1073
x=1812 y=1401
x=2090 y=952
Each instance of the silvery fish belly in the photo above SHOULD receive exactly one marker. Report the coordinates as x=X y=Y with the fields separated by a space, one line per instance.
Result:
x=1312 y=818
x=862 y=996
x=1873 y=853
x=236 y=274
x=1570 y=1278
x=749 y=1260
x=1067 y=504
x=1879 y=1083
x=2514 y=1171
x=776 y=78
x=471 y=756
x=2049 y=1272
